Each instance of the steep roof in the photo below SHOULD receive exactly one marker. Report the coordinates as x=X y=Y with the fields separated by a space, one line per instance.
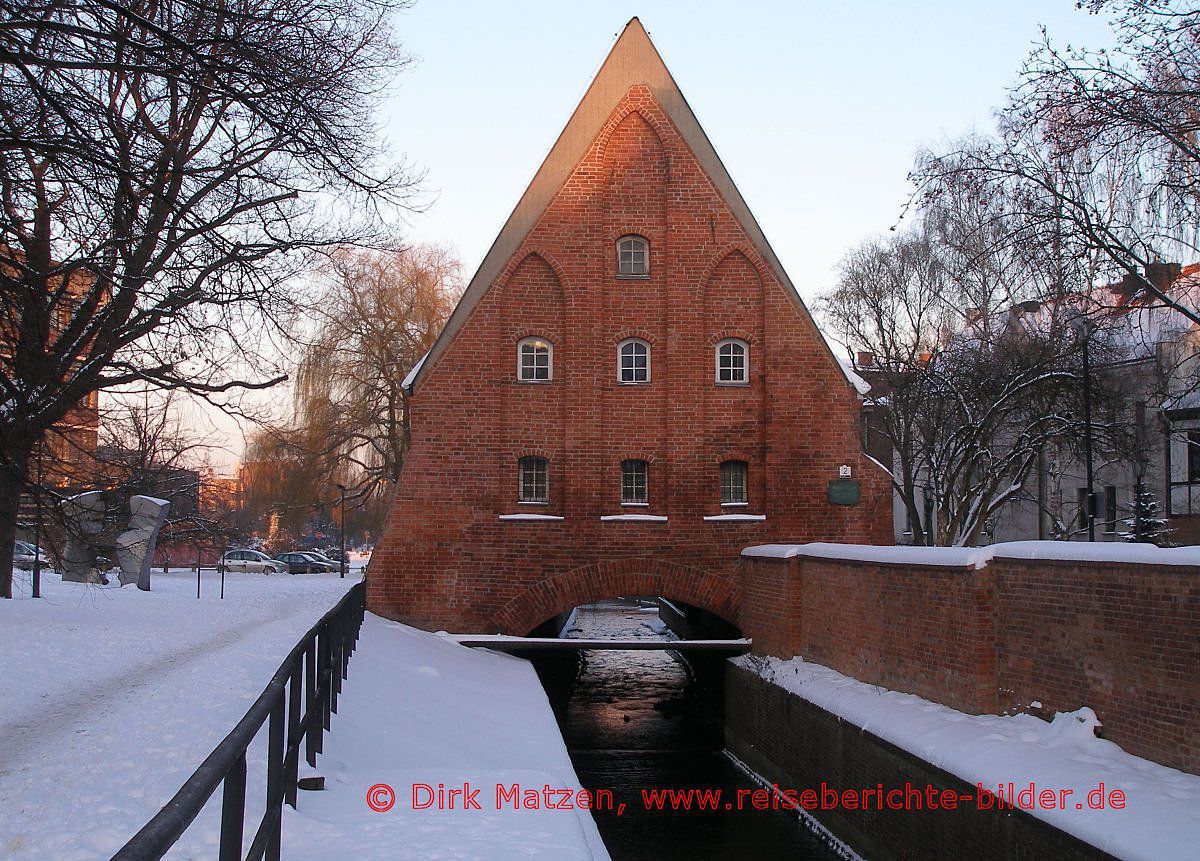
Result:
x=633 y=60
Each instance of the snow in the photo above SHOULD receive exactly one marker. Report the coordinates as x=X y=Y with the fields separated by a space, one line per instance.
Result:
x=419 y=709
x=978 y=557
x=860 y=385
x=527 y=516
x=1161 y=819
x=411 y=377
x=736 y=517
x=647 y=518
x=112 y=696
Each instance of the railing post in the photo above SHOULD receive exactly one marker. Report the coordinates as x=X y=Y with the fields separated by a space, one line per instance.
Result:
x=311 y=735
x=292 y=764
x=233 y=810
x=326 y=685
x=275 y=753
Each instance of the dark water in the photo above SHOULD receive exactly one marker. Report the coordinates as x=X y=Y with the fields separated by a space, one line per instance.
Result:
x=637 y=720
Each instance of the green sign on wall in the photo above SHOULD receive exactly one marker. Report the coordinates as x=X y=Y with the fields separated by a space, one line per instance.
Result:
x=844 y=491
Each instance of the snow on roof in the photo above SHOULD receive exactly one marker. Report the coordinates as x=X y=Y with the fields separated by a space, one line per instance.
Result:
x=408 y=381
x=978 y=557
x=860 y=385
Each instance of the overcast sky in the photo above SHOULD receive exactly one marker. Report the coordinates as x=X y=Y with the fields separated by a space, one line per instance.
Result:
x=816 y=108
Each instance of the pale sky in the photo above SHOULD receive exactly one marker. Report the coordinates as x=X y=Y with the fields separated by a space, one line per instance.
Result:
x=816 y=108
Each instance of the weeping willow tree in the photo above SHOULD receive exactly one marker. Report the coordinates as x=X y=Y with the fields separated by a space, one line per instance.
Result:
x=380 y=316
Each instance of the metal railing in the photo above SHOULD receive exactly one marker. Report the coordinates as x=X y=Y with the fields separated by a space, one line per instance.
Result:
x=296 y=705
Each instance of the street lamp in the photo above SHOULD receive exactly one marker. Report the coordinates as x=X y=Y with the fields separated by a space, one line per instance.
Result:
x=37 y=526
x=1082 y=326
x=342 y=562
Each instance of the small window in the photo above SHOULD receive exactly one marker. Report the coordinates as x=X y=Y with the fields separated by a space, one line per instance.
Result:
x=1110 y=509
x=633 y=482
x=535 y=360
x=534 y=483
x=633 y=256
x=1086 y=506
x=733 y=482
x=633 y=361
x=1193 y=457
x=731 y=362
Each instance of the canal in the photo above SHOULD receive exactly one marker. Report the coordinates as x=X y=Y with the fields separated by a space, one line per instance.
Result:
x=645 y=720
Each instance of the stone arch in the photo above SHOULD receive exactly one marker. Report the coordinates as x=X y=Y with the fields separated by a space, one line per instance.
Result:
x=718 y=594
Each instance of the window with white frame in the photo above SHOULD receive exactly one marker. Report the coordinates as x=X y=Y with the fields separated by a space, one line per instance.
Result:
x=733 y=482
x=633 y=256
x=733 y=359
x=533 y=483
x=633 y=361
x=634 y=482
x=535 y=360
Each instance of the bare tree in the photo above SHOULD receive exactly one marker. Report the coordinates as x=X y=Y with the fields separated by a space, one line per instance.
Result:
x=166 y=167
x=974 y=370
x=1104 y=143
x=381 y=315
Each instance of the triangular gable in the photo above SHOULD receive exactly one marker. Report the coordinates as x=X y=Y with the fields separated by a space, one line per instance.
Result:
x=633 y=60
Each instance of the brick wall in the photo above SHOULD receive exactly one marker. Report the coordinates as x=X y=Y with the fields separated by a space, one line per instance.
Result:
x=1119 y=638
x=447 y=561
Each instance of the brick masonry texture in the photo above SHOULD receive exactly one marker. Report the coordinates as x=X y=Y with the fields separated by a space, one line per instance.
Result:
x=1120 y=638
x=447 y=561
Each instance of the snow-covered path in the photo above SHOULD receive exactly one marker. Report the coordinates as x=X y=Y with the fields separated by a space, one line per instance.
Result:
x=419 y=709
x=111 y=697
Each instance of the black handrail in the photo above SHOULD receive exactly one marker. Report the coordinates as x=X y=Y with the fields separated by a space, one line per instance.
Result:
x=297 y=704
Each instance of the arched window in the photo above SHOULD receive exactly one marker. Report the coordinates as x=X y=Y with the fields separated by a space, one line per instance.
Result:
x=633 y=361
x=733 y=361
x=533 y=481
x=634 y=482
x=535 y=360
x=633 y=256
x=733 y=482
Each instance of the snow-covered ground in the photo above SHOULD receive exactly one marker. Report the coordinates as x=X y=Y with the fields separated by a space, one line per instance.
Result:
x=110 y=697
x=1161 y=816
x=418 y=709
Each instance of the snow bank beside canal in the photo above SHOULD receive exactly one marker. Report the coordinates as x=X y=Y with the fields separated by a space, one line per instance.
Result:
x=1161 y=817
x=420 y=709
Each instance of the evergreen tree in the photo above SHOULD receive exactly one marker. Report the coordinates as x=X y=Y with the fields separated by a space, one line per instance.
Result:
x=1145 y=525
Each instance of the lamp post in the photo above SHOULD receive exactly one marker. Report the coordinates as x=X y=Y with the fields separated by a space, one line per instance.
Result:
x=37 y=526
x=342 y=561
x=1082 y=327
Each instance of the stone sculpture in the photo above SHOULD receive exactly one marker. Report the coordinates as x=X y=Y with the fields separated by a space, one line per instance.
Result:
x=135 y=546
x=84 y=516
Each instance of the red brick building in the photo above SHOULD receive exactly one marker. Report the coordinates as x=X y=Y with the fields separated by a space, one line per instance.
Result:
x=629 y=392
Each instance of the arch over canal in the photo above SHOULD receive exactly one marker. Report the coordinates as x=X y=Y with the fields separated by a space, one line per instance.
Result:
x=718 y=594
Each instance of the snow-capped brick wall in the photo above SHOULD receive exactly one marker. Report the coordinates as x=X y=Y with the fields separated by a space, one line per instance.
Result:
x=451 y=558
x=999 y=630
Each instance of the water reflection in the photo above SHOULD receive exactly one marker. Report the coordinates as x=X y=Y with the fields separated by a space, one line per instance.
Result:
x=644 y=720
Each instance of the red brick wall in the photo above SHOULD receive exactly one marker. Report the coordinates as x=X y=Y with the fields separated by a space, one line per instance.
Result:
x=446 y=561
x=1123 y=639
x=1120 y=638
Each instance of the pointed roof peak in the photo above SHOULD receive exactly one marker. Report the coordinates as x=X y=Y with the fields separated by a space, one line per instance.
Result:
x=633 y=60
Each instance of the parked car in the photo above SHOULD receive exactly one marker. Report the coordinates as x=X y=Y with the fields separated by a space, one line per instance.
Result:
x=24 y=554
x=325 y=558
x=253 y=562
x=302 y=563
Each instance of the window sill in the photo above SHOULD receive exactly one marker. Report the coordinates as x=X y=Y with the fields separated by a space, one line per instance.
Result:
x=638 y=518
x=726 y=384
x=532 y=502
x=734 y=504
x=626 y=277
x=633 y=382
x=535 y=382
x=635 y=504
x=736 y=518
x=529 y=516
